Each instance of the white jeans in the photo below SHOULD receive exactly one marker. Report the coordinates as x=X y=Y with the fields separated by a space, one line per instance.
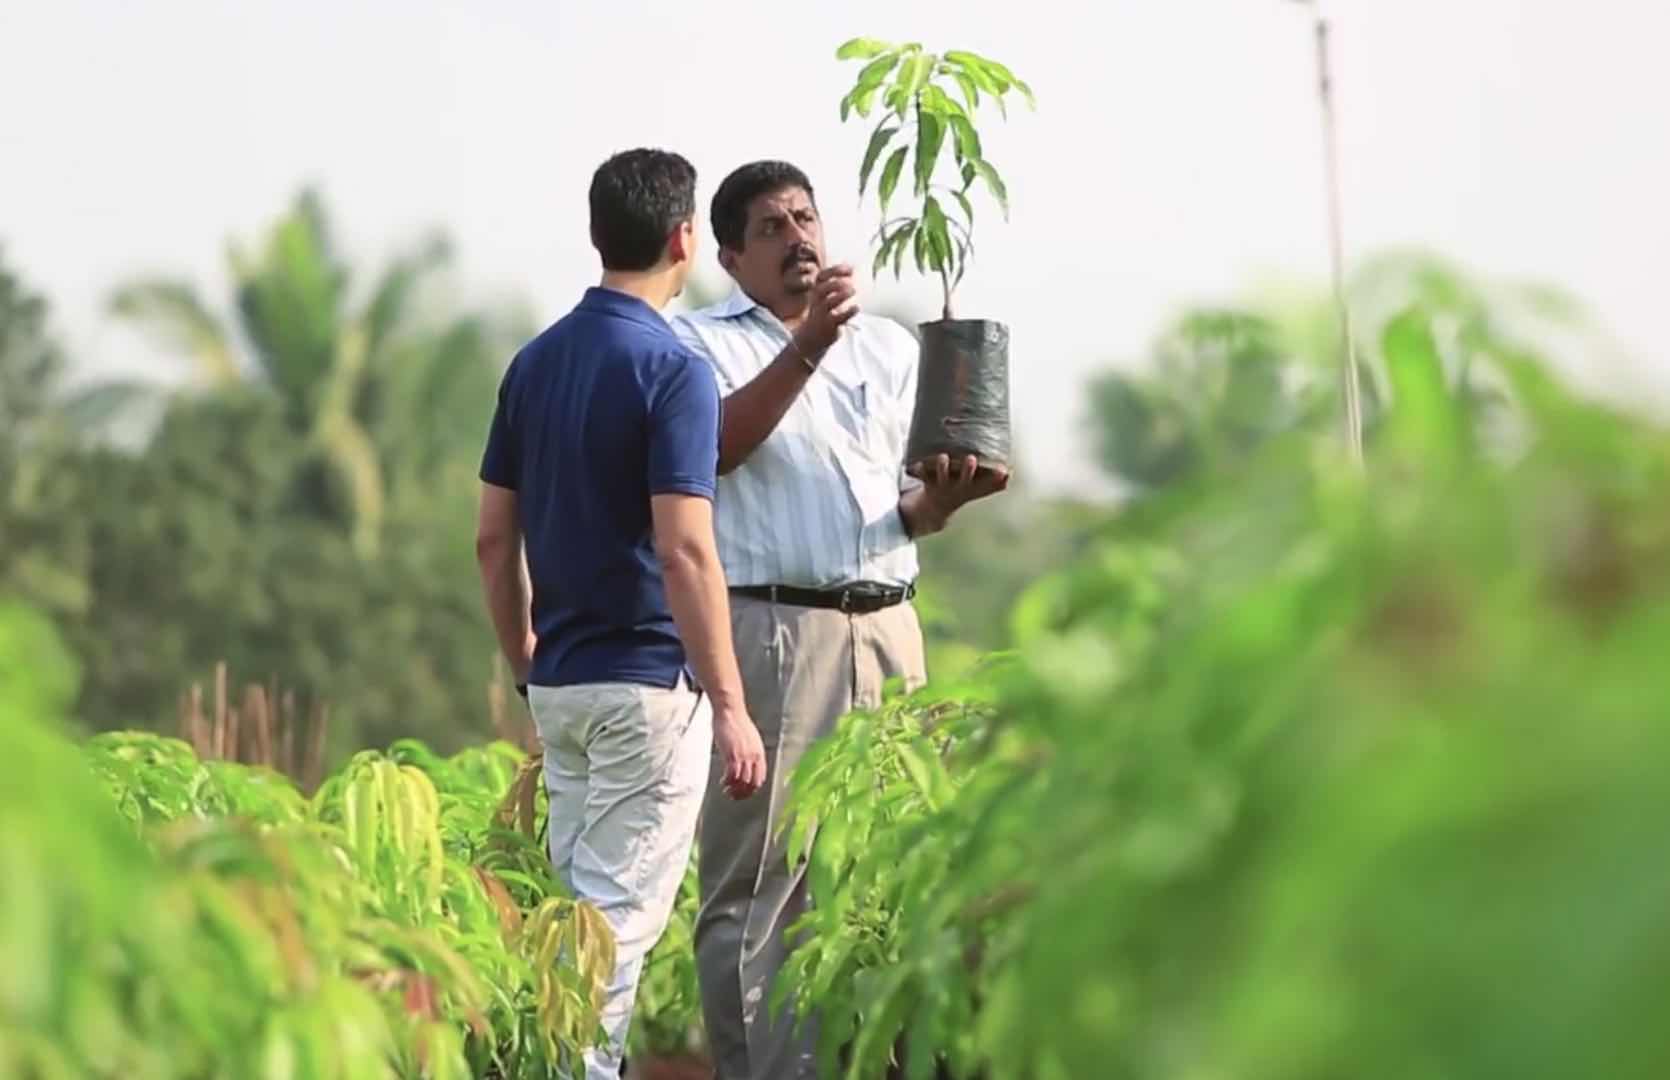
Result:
x=625 y=767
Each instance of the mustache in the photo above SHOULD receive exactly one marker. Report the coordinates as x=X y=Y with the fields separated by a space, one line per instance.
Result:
x=801 y=253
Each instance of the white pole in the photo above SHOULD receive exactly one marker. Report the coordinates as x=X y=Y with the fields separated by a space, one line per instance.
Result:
x=1336 y=239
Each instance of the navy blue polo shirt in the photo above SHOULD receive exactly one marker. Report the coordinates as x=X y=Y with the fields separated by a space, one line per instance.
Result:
x=602 y=410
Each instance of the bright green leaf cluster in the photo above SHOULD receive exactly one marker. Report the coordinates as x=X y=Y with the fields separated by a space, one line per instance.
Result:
x=187 y=918
x=918 y=118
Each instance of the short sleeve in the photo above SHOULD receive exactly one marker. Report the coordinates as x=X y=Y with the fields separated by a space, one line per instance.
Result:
x=683 y=416
x=500 y=461
x=690 y=339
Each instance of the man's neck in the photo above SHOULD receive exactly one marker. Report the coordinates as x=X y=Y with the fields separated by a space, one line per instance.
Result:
x=791 y=311
x=654 y=287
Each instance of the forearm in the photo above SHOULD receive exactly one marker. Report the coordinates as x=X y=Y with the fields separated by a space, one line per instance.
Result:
x=701 y=610
x=753 y=412
x=508 y=595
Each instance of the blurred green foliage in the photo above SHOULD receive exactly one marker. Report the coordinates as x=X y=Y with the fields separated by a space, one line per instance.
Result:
x=1301 y=772
x=206 y=919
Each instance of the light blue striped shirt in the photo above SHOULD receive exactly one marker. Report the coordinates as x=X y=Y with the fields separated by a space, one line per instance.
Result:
x=816 y=503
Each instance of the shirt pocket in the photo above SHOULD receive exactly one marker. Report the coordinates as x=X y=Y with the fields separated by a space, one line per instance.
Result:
x=862 y=410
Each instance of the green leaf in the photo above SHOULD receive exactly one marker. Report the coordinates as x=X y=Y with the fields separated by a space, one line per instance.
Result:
x=938 y=101
x=933 y=218
x=875 y=72
x=898 y=100
x=998 y=73
x=971 y=92
x=963 y=251
x=860 y=48
x=870 y=82
x=983 y=77
x=899 y=250
x=968 y=207
x=921 y=250
x=968 y=140
x=882 y=253
x=891 y=245
x=1424 y=413
x=864 y=98
x=182 y=322
x=1002 y=74
x=878 y=142
x=939 y=239
x=890 y=175
x=913 y=74
x=930 y=137
x=994 y=183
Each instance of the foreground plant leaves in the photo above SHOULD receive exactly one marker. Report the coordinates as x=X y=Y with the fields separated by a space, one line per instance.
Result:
x=1303 y=773
x=231 y=926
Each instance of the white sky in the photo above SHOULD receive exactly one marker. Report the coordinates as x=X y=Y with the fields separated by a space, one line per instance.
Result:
x=1173 y=157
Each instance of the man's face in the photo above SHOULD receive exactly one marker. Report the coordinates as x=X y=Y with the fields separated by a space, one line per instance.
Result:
x=782 y=247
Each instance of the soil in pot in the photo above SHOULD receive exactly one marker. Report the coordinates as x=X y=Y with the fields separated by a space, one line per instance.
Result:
x=962 y=392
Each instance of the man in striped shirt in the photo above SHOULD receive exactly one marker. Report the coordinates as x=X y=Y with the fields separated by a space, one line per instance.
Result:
x=816 y=519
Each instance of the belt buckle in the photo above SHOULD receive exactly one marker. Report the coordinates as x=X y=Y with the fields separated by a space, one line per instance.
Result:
x=846 y=601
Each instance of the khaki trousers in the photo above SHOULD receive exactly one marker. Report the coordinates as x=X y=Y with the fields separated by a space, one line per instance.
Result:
x=626 y=769
x=802 y=669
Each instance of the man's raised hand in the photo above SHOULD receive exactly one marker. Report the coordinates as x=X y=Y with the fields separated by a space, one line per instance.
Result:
x=834 y=303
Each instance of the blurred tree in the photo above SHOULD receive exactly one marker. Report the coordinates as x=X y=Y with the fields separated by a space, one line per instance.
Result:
x=202 y=550
x=1222 y=381
x=1218 y=387
x=247 y=528
x=37 y=554
x=365 y=381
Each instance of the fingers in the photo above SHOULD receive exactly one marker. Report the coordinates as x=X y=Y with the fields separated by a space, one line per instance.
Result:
x=836 y=293
x=964 y=477
x=745 y=769
x=930 y=470
x=744 y=777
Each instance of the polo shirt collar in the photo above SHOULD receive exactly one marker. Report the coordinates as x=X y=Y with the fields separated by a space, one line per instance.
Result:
x=613 y=302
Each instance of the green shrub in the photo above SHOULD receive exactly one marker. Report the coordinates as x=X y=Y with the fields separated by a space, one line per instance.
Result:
x=397 y=924
x=1305 y=772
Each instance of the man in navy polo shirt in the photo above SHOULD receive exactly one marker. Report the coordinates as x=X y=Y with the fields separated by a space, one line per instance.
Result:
x=600 y=463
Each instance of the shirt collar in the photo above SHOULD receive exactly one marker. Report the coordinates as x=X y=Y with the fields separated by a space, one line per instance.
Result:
x=737 y=303
x=613 y=302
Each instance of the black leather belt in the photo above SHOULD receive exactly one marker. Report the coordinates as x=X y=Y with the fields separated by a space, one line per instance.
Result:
x=860 y=598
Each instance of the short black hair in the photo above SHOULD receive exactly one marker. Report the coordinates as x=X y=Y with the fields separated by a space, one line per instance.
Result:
x=637 y=198
x=743 y=186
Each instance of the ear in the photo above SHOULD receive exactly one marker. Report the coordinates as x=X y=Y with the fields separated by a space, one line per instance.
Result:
x=681 y=243
x=727 y=259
